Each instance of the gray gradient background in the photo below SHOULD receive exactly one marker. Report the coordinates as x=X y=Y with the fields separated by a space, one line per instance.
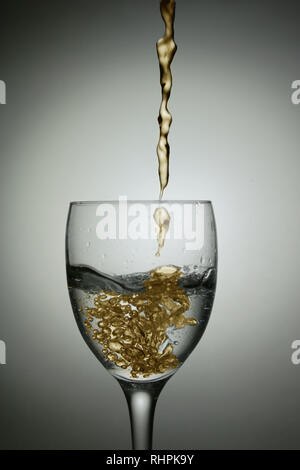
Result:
x=80 y=123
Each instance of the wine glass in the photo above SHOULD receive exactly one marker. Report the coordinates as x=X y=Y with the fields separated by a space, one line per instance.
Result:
x=140 y=312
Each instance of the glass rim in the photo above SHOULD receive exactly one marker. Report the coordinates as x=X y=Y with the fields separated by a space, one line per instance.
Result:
x=141 y=201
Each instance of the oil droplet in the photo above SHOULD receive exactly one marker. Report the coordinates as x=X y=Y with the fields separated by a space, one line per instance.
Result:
x=162 y=219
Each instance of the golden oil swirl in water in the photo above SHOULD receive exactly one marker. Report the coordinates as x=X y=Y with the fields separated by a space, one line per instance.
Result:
x=132 y=327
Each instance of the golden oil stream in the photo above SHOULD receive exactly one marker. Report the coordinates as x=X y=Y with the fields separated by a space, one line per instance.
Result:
x=166 y=49
x=132 y=327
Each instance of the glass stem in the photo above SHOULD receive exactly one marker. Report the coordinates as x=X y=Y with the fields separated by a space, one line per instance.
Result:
x=141 y=399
